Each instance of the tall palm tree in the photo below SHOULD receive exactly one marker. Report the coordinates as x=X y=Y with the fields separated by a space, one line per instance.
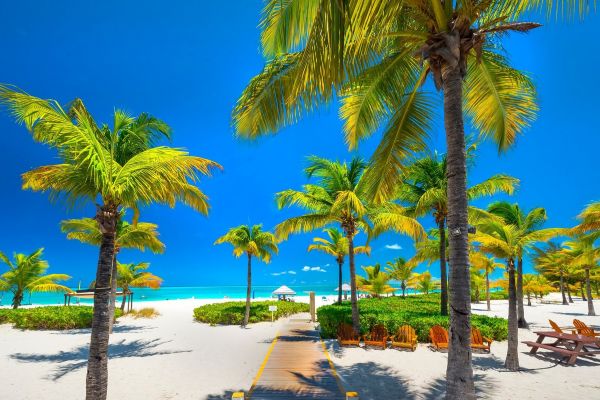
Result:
x=477 y=283
x=535 y=284
x=423 y=282
x=363 y=51
x=26 y=273
x=553 y=262
x=425 y=188
x=589 y=219
x=338 y=197
x=584 y=255
x=488 y=265
x=134 y=275
x=401 y=271
x=526 y=222
x=375 y=282
x=117 y=167
x=254 y=242
x=336 y=246
x=140 y=235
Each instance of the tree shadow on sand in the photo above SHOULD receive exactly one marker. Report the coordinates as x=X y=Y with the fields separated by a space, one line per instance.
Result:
x=72 y=360
x=436 y=390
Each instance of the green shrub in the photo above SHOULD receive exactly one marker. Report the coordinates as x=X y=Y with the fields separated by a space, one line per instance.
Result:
x=496 y=295
x=421 y=312
x=232 y=312
x=51 y=317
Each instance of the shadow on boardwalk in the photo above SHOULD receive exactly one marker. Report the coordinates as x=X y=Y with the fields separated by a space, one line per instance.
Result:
x=72 y=360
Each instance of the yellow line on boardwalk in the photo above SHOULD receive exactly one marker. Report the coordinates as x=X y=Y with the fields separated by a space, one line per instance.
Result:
x=264 y=363
x=333 y=371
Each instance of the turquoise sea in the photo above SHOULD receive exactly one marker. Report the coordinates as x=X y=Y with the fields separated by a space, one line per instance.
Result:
x=177 y=293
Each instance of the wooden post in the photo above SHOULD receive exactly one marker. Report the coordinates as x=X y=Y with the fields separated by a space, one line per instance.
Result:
x=313 y=307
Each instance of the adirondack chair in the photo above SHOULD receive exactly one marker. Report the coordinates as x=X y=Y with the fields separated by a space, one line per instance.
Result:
x=583 y=329
x=376 y=337
x=480 y=342
x=346 y=336
x=405 y=338
x=557 y=328
x=439 y=337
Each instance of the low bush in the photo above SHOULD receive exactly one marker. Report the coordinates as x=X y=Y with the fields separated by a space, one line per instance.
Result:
x=495 y=295
x=421 y=312
x=146 y=312
x=232 y=312
x=50 y=317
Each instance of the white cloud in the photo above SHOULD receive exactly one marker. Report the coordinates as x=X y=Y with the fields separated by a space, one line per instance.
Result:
x=394 y=246
x=306 y=268
x=315 y=268
x=327 y=265
x=292 y=272
x=278 y=273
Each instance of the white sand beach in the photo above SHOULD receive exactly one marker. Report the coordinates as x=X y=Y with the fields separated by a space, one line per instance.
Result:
x=173 y=357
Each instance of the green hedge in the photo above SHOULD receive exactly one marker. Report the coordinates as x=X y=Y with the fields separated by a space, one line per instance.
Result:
x=495 y=295
x=50 y=317
x=232 y=312
x=421 y=312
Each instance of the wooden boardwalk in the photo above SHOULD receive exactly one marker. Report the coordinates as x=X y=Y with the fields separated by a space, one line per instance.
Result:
x=297 y=366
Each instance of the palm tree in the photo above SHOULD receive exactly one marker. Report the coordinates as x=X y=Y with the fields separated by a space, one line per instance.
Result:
x=375 y=282
x=527 y=222
x=364 y=53
x=553 y=262
x=488 y=265
x=26 y=274
x=534 y=284
x=141 y=236
x=135 y=275
x=400 y=270
x=590 y=219
x=117 y=168
x=254 y=242
x=338 y=197
x=477 y=283
x=584 y=255
x=336 y=246
x=423 y=282
x=425 y=188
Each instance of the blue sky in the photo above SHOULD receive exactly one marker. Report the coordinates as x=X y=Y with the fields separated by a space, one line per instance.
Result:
x=187 y=63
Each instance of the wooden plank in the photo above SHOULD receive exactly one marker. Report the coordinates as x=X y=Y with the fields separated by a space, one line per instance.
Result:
x=297 y=367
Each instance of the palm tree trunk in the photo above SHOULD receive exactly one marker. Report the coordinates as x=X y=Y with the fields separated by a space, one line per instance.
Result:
x=125 y=292
x=529 y=299
x=512 y=355
x=443 y=275
x=97 y=372
x=582 y=285
x=459 y=372
x=353 y=297
x=487 y=290
x=588 y=289
x=562 y=291
x=113 y=293
x=568 y=291
x=403 y=286
x=17 y=299
x=248 y=291
x=520 y=309
x=340 y=264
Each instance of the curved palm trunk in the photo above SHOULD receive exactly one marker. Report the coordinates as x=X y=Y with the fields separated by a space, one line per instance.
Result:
x=459 y=372
x=568 y=291
x=582 y=285
x=340 y=264
x=17 y=299
x=512 y=355
x=124 y=300
x=562 y=291
x=353 y=297
x=443 y=275
x=588 y=289
x=487 y=290
x=520 y=309
x=97 y=372
x=113 y=293
x=248 y=291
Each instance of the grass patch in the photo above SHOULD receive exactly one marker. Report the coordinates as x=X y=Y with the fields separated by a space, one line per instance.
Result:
x=421 y=312
x=232 y=312
x=146 y=312
x=51 y=317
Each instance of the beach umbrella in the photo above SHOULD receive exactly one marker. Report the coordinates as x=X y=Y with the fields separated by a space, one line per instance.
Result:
x=284 y=291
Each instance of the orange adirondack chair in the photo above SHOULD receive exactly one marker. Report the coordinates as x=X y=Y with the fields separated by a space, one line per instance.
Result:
x=555 y=326
x=480 y=342
x=583 y=329
x=405 y=338
x=439 y=337
x=376 y=337
x=346 y=336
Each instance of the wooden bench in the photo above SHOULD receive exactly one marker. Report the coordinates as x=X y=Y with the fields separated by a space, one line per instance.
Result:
x=535 y=346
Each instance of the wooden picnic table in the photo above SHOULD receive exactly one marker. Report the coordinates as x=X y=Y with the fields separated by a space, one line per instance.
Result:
x=569 y=345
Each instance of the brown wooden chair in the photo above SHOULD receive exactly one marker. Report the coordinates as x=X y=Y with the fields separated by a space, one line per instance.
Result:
x=377 y=337
x=439 y=337
x=346 y=336
x=555 y=326
x=480 y=342
x=405 y=338
x=583 y=329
